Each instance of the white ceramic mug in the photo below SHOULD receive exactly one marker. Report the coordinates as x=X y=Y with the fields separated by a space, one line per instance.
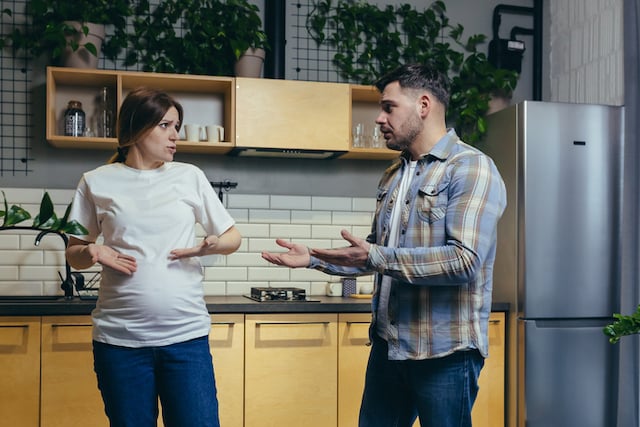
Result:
x=192 y=132
x=334 y=289
x=215 y=133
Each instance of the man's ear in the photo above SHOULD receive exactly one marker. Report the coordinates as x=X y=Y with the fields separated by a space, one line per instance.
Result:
x=425 y=104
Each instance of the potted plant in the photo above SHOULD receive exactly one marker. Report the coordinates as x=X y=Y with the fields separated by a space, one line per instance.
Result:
x=215 y=34
x=370 y=41
x=58 y=27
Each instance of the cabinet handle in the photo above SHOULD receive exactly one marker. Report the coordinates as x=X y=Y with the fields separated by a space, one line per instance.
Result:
x=224 y=323
x=286 y=322
x=13 y=326
x=69 y=325
x=353 y=322
x=494 y=321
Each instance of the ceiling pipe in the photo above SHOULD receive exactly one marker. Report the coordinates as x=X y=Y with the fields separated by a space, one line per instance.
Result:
x=274 y=27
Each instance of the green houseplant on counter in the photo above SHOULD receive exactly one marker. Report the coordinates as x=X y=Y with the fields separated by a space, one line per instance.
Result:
x=57 y=27
x=46 y=220
x=214 y=35
x=370 y=41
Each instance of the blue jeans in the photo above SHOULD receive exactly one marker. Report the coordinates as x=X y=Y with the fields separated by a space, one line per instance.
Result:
x=132 y=379
x=440 y=391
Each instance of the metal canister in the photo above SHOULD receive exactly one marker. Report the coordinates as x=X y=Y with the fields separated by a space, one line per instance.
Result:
x=74 y=119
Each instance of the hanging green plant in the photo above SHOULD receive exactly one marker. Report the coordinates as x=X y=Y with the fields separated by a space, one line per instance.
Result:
x=623 y=325
x=46 y=219
x=213 y=35
x=370 y=41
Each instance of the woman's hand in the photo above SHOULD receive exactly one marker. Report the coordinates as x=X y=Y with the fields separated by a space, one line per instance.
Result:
x=224 y=244
x=206 y=247
x=82 y=254
x=111 y=258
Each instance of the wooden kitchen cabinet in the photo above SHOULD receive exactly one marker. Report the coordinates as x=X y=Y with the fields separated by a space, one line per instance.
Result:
x=227 y=347
x=291 y=370
x=365 y=107
x=291 y=114
x=20 y=371
x=206 y=100
x=69 y=390
x=289 y=117
x=353 y=354
x=488 y=410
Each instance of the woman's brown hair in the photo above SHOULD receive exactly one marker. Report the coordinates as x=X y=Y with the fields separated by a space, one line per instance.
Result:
x=142 y=109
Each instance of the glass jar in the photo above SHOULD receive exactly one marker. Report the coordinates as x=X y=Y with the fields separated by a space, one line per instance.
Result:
x=74 y=119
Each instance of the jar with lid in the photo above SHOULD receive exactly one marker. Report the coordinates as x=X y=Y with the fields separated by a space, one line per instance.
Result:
x=74 y=119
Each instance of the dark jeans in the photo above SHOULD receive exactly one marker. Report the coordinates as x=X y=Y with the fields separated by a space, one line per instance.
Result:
x=132 y=379
x=440 y=391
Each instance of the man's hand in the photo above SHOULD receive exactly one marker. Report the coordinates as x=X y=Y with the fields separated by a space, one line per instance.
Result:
x=355 y=255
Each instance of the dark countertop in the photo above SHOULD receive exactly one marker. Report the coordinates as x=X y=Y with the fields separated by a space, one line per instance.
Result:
x=39 y=306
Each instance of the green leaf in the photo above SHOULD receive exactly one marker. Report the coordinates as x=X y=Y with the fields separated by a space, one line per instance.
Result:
x=622 y=326
x=15 y=215
x=46 y=211
x=74 y=227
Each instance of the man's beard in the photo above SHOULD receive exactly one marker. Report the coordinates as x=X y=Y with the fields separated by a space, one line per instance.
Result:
x=411 y=129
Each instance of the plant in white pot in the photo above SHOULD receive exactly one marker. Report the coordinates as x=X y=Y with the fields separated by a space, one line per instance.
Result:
x=215 y=34
x=60 y=28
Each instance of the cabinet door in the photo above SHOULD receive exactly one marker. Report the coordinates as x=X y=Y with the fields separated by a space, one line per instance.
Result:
x=69 y=389
x=292 y=114
x=20 y=371
x=353 y=354
x=227 y=347
x=488 y=411
x=291 y=370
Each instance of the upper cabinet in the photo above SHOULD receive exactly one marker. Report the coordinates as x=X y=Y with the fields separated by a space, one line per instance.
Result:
x=292 y=115
x=366 y=140
x=271 y=117
x=206 y=101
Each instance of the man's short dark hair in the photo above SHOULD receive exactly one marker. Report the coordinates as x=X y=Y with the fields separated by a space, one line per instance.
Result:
x=418 y=76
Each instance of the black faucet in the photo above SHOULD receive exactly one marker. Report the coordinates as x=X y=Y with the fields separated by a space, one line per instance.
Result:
x=67 y=280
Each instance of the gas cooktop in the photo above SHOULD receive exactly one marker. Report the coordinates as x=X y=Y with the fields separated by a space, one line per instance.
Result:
x=279 y=295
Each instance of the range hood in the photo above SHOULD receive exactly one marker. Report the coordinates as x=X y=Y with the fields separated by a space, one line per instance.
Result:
x=285 y=153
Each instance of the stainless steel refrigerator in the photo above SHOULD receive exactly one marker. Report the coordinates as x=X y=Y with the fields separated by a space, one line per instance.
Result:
x=558 y=259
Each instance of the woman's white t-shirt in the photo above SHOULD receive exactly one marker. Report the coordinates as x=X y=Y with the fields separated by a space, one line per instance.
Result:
x=146 y=214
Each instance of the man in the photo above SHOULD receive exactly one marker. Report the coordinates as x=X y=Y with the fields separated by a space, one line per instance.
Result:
x=432 y=247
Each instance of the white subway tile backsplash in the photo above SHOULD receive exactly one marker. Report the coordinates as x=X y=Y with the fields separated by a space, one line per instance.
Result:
x=291 y=231
x=290 y=202
x=21 y=257
x=311 y=217
x=326 y=231
x=270 y=216
x=331 y=203
x=248 y=230
x=250 y=201
x=352 y=218
x=268 y=274
x=26 y=269
x=225 y=273
x=11 y=242
x=9 y=273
